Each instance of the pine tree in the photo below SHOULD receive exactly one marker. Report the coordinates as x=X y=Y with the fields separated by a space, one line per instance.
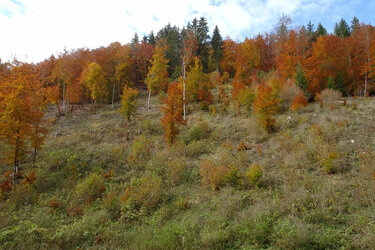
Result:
x=145 y=39
x=300 y=78
x=320 y=31
x=216 y=44
x=331 y=83
x=151 y=38
x=355 y=24
x=200 y=30
x=173 y=37
x=135 y=39
x=311 y=32
x=342 y=29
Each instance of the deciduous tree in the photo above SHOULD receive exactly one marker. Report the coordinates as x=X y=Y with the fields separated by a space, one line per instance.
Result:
x=128 y=106
x=172 y=111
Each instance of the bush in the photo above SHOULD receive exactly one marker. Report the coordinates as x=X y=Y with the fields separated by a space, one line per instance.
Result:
x=23 y=195
x=138 y=149
x=146 y=191
x=213 y=176
x=215 y=79
x=246 y=98
x=329 y=162
x=288 y=93
x=111 y=203
x=234 y=177
x=196 y=133
x=196 y=148
x=254 y=175
x=299 y=101
x=151 y=127
x=175 y=171
x=86 y=192
x=329 y=96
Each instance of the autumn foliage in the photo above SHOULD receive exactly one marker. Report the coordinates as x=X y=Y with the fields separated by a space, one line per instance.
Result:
x=213 y=175
x=299 y=101
x=21 y=113
x=266 y=104
x=172 y=111
x=128 y=105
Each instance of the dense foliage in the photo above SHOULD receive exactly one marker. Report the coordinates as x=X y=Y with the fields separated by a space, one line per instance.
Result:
x=212 y=163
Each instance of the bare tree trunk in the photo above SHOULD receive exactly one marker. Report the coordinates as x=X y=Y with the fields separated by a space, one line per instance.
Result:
x=58 y=109
x=183 y=91
x=15 y=169
x=149 y=98
x=63 y=95
x=365 y=91
x=127 y=130
x=34 y=156
x=113 y=93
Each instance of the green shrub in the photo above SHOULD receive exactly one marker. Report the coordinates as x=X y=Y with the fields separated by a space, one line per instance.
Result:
x=23 y=195
x=234 y=177
x=196 y=148
x=146 y=191
x=254 y=175
x=139 y=149
x=329 y=162
x=86 y=192
x=151 y=127
x=111 y=203
x=81 y=233
x=175 y=171
x=196 y=133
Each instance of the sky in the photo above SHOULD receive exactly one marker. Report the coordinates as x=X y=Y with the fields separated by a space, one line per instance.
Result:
x=33 y=30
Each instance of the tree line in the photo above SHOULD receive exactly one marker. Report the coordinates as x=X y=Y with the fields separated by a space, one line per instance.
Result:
x=188 y=65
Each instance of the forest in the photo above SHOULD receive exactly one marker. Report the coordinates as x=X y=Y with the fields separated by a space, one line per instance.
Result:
x=185 y=139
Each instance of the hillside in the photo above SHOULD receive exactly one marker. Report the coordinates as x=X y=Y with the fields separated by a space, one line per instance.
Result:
x=308 y=185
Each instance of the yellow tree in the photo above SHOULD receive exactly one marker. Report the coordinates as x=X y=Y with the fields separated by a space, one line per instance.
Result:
x=197 y=84
x=94 y=78
x=122 y=78
x=128 y=106
x=157 y=77
x=248 y=59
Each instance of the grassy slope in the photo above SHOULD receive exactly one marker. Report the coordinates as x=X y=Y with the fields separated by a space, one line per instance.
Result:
x=297 y=204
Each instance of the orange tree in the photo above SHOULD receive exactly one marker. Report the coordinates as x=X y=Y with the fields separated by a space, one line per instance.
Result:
x=21 y=113
x=266 y=104
x=172 y=109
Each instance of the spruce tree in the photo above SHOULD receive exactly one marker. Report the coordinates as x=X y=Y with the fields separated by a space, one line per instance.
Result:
x=320 y=31
x=216 y=43
x=342 y=29
x=135 y=39
x=301 y=80
x=151 y=38
x=331 y=83
x=355 y=23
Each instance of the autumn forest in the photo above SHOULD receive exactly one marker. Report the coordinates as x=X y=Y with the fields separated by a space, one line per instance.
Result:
x=186 y=139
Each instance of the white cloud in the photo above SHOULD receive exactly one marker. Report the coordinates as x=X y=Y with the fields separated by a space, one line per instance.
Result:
x=40 y=28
